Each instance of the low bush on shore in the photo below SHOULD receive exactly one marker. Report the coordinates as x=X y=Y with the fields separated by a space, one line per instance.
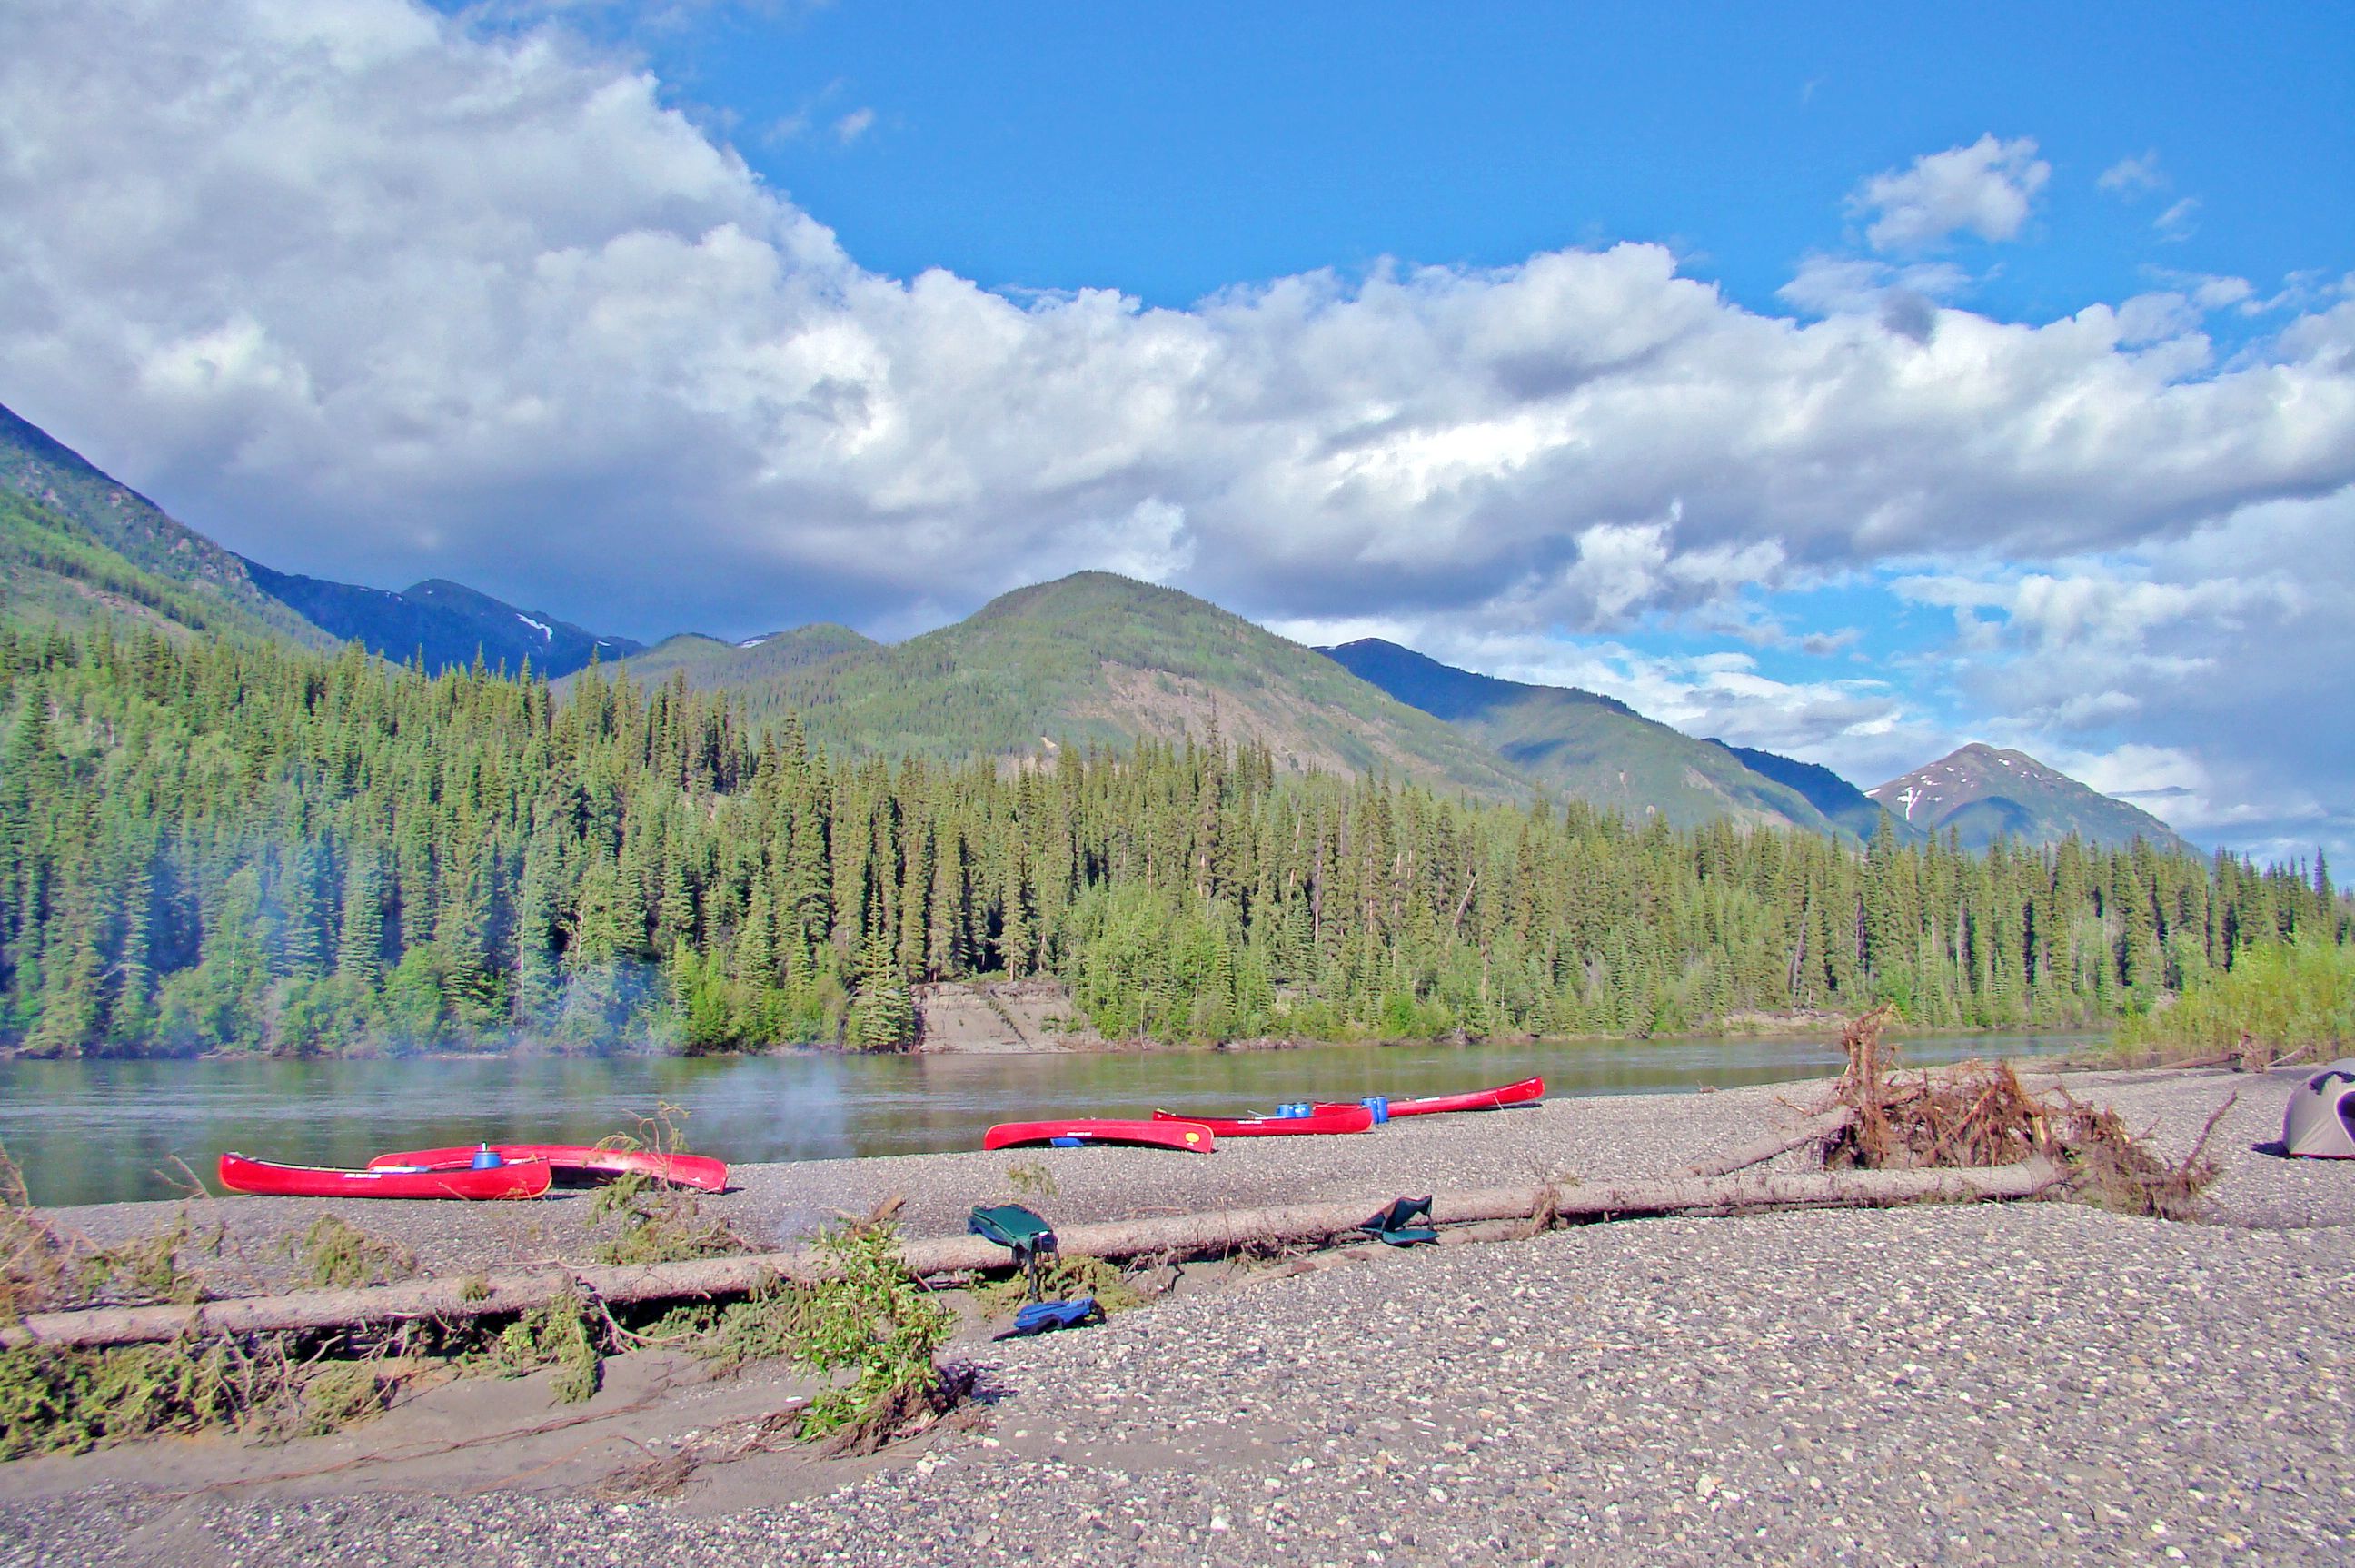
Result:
x=872 y=1331
x=2280 y=1002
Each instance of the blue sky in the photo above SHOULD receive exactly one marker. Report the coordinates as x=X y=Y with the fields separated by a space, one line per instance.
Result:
x=1174 y=151
x=1853 y=382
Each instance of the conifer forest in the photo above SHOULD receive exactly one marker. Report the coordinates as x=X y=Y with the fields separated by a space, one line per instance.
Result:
x=246 y=846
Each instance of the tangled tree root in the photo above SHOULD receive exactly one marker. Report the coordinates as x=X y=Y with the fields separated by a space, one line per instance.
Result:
x=904 y=1411
x=1980 y=1115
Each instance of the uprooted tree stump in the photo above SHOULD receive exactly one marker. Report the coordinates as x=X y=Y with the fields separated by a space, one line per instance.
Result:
x=1977 y=1115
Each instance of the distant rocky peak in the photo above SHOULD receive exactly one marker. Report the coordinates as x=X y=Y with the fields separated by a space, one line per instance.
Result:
x=1982 y=792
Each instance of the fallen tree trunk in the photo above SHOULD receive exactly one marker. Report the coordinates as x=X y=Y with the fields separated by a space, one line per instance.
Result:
x=508 y=1291
x=1814 y=1129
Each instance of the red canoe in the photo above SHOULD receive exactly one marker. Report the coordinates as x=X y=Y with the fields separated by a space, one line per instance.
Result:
x=683 y=1170
x=240 y=1174
x=1322 y=1119
x=1528 y=1091
x=1160 y=1133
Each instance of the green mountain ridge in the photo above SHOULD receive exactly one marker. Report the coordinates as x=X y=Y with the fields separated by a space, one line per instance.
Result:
x=1982 y=793
x=1584 y=744
x=710 y=664
x=75 y=545
x=1089 y=659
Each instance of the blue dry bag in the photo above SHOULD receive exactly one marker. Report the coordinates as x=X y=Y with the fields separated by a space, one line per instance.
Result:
x=1041 y=1315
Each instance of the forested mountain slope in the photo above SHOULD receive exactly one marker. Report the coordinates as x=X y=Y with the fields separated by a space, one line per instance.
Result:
x=1096 y=659
x=75 y=545
x=1588 y=746
x=1984 y=794
x=54 y=572
x=230 y=846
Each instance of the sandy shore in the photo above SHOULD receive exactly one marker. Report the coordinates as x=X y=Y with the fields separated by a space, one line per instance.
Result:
x=2032 y=1383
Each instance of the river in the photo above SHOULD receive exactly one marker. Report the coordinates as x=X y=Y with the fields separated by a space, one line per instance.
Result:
x=90 y=1132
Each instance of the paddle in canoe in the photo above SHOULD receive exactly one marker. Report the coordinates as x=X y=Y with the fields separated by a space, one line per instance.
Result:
x=239 y=1174
x=580 y=1161
x=1190 y=1137
x=1322 y=1119
x=1528 y=1091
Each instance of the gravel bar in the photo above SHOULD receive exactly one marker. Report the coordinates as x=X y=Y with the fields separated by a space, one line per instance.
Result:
x=1615 y=1136
x=2032 y=1382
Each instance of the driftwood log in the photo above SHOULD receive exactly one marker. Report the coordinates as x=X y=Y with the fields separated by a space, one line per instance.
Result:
x=514 y=1290
x=1814 y=1129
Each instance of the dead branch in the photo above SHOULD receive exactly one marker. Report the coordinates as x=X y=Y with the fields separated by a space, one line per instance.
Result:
x=1815 y=1130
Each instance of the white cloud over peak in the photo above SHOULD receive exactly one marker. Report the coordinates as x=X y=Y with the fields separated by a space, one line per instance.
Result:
x=369 y=296
x=342 y=259
x=1988 y=188
x=2225 y=650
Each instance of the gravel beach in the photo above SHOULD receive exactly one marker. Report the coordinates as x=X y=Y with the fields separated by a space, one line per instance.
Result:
x=2028 y=1382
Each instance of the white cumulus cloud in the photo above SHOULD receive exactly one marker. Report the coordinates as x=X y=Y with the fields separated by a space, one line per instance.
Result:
x=1988 y=188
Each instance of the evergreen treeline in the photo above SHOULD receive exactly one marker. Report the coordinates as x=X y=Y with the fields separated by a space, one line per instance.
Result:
x=252 y=846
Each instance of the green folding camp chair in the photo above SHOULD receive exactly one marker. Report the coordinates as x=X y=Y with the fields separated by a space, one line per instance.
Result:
x=1022 y=1232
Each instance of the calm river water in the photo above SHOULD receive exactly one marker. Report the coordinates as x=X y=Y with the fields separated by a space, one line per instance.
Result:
x=88 y=1132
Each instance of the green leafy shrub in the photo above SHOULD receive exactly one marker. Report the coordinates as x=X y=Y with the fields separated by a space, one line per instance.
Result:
x=2284 y=997
x=877 y=1322
x=558 y=1334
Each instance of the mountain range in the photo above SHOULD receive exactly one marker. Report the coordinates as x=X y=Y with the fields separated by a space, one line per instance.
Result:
x=443 y=622
x=75 y=545
x=1593 y=747
x=1089 y=659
